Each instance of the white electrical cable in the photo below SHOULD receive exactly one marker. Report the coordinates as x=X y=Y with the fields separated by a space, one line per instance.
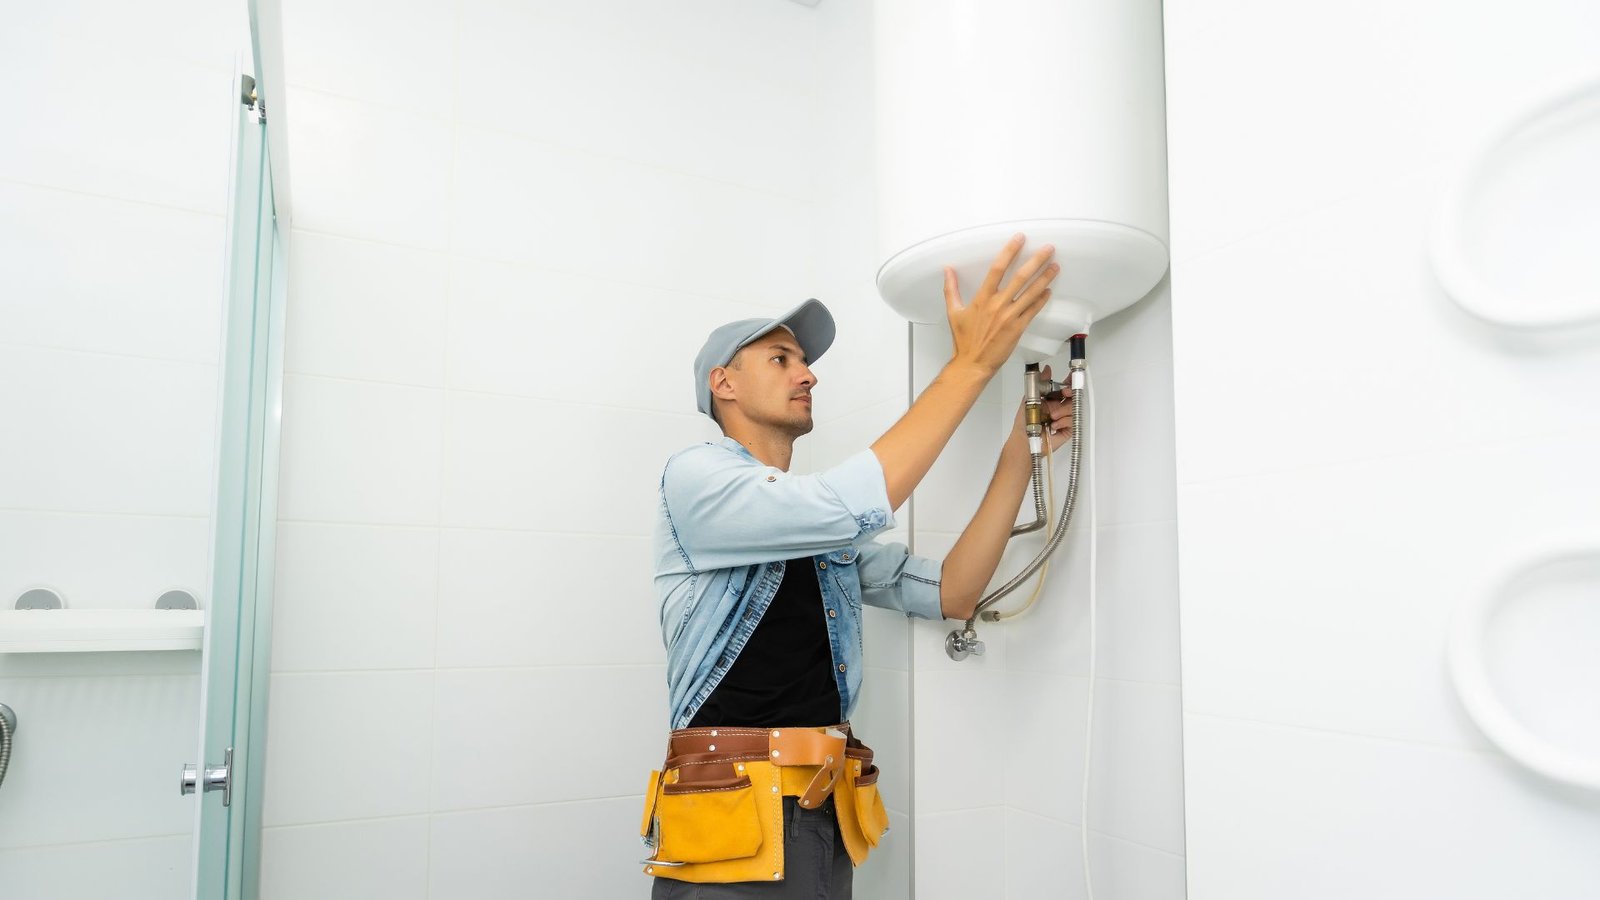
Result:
x=1094 y=556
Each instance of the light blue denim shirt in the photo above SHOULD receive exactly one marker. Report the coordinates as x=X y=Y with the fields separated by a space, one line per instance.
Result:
x=725 y=527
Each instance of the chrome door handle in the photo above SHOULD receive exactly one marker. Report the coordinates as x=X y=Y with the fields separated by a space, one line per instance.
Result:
x=218 y=778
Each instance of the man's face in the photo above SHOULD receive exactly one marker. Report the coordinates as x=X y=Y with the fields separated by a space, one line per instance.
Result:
x=773 y=383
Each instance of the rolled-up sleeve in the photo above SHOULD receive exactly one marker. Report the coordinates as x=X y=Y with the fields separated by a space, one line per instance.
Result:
x=726 y=510
x=892 y=578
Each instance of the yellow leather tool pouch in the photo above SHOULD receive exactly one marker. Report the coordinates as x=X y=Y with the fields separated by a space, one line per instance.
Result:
x=708 y=822
x=715 y=812
x=874 y=819
x=716 y=826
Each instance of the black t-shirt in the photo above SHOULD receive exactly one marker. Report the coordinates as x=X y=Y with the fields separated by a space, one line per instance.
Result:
x=784 y=674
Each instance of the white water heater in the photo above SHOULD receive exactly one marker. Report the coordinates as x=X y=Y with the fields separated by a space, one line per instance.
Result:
x=1041 y=116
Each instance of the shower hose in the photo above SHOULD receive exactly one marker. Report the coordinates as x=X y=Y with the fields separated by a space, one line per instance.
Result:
x=8 y=727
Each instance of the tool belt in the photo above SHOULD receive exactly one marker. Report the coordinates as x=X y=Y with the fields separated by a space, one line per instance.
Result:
x=713 y=812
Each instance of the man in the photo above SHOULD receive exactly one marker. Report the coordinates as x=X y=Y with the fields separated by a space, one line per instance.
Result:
x=761 y=575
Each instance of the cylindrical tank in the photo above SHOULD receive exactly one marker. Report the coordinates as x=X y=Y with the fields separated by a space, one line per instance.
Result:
x=1041 y=116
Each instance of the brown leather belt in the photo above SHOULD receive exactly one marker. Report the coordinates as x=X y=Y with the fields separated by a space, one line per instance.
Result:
x=708 y=758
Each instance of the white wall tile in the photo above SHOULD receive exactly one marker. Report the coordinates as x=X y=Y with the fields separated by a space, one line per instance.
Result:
x=399 y=54
x=1052 y=637
x=882 y=720
x=539 y=333
x=149 y=869
x=950 y=493
x=1266 y=804
x=106 y=434
x=837 y=439
x=642 y=99
x=1369 y=337
x=768 y=42
x=585 y=851
x=1436 y=76
x=367 y=171
x=1044 y=858
x=961 y=740
x=104 y=562
x=1136 y=610
x=1127 y=869
x=1133 y=460
x=354 y=597
x=347 y=746
x=360 y=452
x=1136 y=787
x=960 y=854
x=381 y=859
x=1338 y=615
x=171 y=145
x=194 y=30
x=97 y=757
x=488 y=716
x=517 y=463
x=1044 y=719
x=886 y=636
x=91 y=273
x=521 y=200
x=363 y=310
x=518 y=598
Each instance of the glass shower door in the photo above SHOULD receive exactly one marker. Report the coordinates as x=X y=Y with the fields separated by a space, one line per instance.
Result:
x=232 y=741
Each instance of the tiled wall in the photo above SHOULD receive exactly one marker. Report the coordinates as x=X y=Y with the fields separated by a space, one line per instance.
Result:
x=515 y=224
x=113 y=190
x=1357 y=457
x=1000 y=738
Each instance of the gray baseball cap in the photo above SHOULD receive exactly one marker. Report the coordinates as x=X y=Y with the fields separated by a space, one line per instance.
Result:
x=811 y=323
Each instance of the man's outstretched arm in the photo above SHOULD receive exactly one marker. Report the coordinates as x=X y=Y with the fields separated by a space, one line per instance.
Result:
x=985 y=332
x=971 y=562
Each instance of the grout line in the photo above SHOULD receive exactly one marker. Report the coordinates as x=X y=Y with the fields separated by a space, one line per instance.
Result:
x=437 y=813
x=170 y=207
x=16 y=345
x=1413 y=743
x=419 y=670
x=26 y=848
x=339 y=523
x=1096 y=831
x=1447 y=449
x=445 y=409
x=101 y=676
x=454 y=255
x=1098 y=678
x=440 y=389
x=101 y=515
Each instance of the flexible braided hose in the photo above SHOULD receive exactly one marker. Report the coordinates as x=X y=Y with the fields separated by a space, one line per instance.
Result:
x=1041 y=518
x=1079 y=433
x=7 y=726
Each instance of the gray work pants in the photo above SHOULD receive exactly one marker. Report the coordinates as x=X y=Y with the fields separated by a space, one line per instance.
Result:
x=815 y=865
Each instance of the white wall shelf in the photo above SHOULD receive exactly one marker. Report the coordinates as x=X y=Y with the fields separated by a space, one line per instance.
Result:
x=99 y=630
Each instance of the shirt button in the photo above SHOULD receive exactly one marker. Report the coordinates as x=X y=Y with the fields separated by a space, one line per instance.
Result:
x=822 y=565
x=841 y=667
x=833 y=614
x=772 y=478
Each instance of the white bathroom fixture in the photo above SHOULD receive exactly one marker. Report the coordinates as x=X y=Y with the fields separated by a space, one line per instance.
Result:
x=1514 y=233
x=1571 y=567
x=1040 y=116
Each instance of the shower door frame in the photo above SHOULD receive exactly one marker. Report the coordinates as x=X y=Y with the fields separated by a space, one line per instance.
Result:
x=235 y=673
